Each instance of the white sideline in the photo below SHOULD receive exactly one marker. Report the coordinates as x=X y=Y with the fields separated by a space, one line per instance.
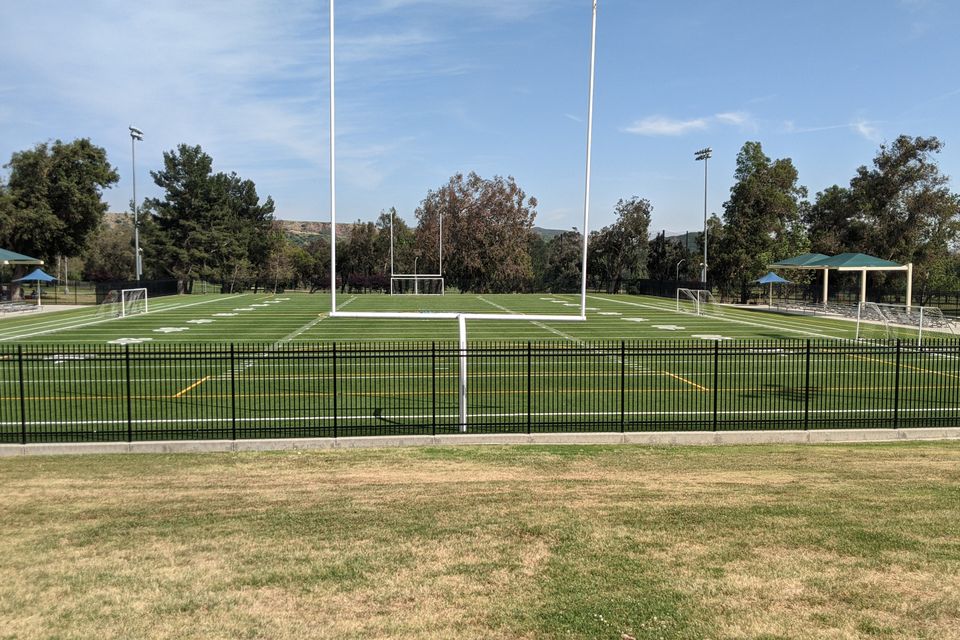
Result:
x=659 y=438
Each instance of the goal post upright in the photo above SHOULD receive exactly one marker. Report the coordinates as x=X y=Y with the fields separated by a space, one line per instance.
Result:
x=461 y=318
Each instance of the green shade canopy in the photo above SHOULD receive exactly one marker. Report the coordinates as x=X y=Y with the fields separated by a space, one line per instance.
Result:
x=854 y=261
x=802 y=261
x=12 y=257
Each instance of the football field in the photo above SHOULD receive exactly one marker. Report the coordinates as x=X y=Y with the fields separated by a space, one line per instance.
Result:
x=298 y=318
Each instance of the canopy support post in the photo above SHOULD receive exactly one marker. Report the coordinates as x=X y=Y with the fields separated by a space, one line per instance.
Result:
x=910 y=286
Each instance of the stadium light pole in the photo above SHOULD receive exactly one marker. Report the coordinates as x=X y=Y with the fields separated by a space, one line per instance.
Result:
x=704 y=154
x=135 y=135
x=678 y=269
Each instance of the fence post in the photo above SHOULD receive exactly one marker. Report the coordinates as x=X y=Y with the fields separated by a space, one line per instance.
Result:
x=529 y=389
x=335 y=390
x=896 y=390
x=433 y=389
x=23 y=397
x=233 y=394
x=716 y=380
x=126 y=353
x=806 y=392
x=623 y=385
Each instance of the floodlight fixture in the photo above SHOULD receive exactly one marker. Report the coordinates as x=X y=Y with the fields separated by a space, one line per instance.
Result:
x=136 y=133
x=703 y=154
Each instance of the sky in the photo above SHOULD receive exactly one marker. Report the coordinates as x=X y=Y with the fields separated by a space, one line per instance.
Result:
x=429 y=88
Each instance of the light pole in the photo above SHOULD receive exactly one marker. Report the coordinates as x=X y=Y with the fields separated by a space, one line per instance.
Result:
x=678 y=268
x=135 y=134
x=704 y=154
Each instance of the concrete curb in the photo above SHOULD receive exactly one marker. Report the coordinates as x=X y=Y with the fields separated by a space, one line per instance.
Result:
x=674 y=438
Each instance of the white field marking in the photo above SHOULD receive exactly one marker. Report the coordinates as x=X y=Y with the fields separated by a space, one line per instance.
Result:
x=547 y=299
x=259 y=305
x=544 y=414
x=565 y=336
x=723 y=318
x=570 y=304
x=87 y=324
x=245 y=309
x=634 y=319
x=200 y=321
x=710 y=336
x=224 y=315
x=668 y=327
x=122 y=341
x=609 y=313
x=171 y=329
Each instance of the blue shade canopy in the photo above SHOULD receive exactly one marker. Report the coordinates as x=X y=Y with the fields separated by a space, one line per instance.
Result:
x=772 y=278
x=37 y=275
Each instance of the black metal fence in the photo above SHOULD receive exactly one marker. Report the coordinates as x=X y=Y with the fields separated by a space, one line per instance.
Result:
x=90 y=394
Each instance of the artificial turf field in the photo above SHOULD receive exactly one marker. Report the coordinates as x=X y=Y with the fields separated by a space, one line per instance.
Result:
x=296 y=318
x=249 y=365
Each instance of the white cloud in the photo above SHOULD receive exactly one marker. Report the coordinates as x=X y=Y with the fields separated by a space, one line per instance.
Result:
x=664 y=126
x=867 y=130
x=864 y=128
x=510 y=10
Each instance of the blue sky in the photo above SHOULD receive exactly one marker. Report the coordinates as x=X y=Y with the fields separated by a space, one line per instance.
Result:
x=427 y=88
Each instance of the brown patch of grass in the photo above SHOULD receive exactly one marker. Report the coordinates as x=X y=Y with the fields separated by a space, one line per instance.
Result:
x=514 y=542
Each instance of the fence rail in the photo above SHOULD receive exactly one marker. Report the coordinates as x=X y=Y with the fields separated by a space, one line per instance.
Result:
x=89 y=394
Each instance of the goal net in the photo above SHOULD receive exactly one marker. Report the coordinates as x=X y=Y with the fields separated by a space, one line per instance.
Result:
x=416 y=285
x=876 y=321
x=698 y=302
x=133 y=301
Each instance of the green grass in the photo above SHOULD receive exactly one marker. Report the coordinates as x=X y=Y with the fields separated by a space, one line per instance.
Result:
x=183 y=381
x=299 y=318
x=497 y=542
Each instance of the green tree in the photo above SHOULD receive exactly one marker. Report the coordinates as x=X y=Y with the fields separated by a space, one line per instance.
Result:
x=563 y=263
x=762 y=220
x=486 y=226
x=52 y=201
x=664 y=256
x=109 y=253
x=620 y=250
x=906 y=206
x=206 y=224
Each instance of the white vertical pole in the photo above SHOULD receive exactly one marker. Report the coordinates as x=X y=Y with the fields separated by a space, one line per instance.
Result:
x=863 y=286
x=826 y=286
x=441 y=245
x=586 y=195
x=920 y=332
x=463 y=373
x=333 y=177
x=910 y=286
x=391 y=244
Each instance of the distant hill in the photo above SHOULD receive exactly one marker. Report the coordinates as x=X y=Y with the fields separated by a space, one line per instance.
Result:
x=548 y=234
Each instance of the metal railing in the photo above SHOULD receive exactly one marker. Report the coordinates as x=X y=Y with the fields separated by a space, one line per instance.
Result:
x=176 y=392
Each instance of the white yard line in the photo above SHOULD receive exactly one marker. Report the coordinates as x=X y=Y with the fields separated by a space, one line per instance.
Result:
x=723 y=318
x=563 y=335
x=87 y=324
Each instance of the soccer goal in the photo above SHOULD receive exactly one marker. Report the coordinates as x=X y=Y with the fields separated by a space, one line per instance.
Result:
x=877 y=321
x=698 y=302
x=133 y=301
x=416 y=285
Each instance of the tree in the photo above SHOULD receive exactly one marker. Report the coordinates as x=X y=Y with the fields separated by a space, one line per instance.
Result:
x=486 y=228
x=52 y=201
x=620 y=250
x=761 y=219
x=206 y=224
x=562 y=270
x=906 y=206
x=109 y=253
x=664 y=256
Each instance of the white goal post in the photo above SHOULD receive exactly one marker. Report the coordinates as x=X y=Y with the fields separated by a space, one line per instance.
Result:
x=416 y=285
x=885 y=321
x=133 y=301
x=696 y=302
x=460 y=317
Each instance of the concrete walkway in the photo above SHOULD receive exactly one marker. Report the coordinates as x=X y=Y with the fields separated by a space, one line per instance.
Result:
x=671 y=438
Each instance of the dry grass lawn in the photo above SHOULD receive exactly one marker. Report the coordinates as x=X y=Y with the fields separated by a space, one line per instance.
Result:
x=496 y=542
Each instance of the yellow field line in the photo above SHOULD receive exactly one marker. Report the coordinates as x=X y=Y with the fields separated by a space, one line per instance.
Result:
x=906 y=366
x=193 y=386
x=682 y=379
